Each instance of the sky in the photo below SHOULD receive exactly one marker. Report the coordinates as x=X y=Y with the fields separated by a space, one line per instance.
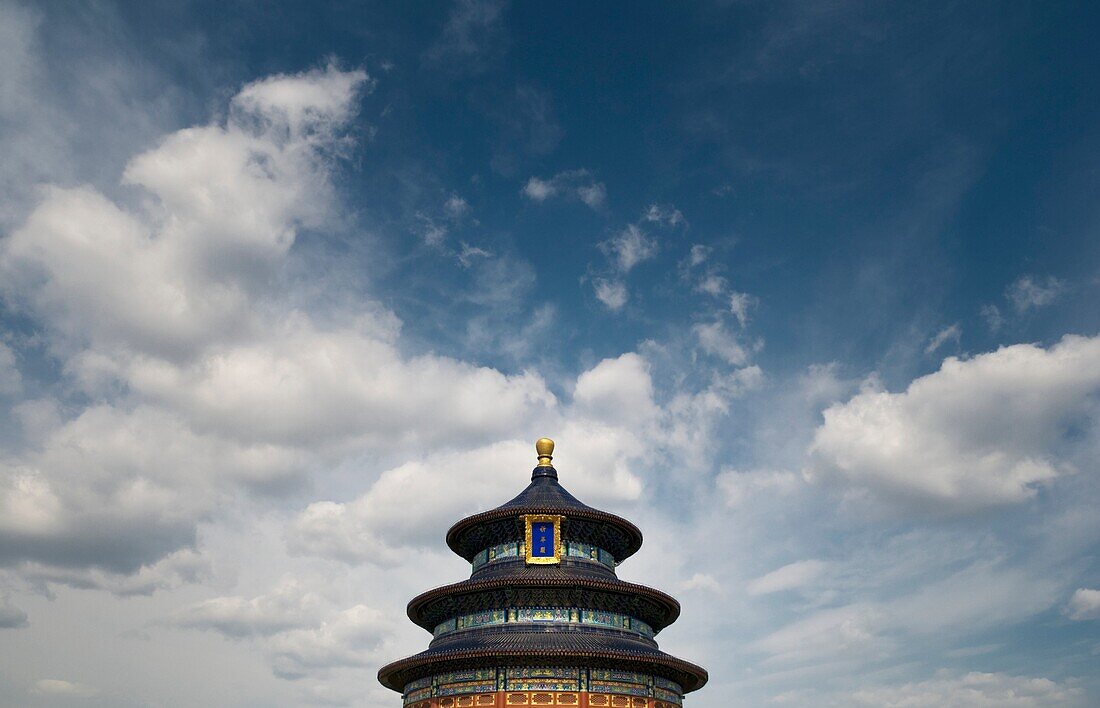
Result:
x=808 y=291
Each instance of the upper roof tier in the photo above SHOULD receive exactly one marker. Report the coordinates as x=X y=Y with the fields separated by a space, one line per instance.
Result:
x=545 y=496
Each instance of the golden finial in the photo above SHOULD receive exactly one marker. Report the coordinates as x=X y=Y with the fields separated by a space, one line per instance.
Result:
x=545 y=448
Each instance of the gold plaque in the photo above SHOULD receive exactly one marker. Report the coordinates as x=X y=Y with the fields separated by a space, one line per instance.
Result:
x=543 y=537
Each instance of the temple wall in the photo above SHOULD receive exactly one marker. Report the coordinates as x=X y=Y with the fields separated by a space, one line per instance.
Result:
x=578 y=699
x=543 y=686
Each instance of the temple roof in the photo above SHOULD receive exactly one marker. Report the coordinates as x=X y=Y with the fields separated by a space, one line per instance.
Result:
x=543 y=646
x=544 y=495
x=544 y=586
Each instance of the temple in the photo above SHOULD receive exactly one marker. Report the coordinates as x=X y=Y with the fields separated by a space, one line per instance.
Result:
x=543 y=619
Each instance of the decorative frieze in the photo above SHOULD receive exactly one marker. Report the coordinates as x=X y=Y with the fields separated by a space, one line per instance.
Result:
x=532 y=615
x=556 y=681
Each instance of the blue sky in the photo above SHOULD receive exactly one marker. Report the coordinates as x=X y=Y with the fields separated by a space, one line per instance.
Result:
x=807 y=290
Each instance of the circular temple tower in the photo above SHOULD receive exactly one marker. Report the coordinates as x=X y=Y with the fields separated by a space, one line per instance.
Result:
x=543 y=619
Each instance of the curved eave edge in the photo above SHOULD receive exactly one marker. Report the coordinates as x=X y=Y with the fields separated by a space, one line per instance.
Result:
x=388 y=673
x=456 y=532
x=415 y=608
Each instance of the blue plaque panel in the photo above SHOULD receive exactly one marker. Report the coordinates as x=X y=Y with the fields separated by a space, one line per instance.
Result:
x=542 y=539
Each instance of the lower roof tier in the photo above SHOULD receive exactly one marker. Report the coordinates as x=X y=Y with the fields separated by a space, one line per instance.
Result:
x=546 y=586
x=519 y=647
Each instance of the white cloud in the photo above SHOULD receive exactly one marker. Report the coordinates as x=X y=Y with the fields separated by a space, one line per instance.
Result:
x=349 y=639
x=611 y=426
x=471 y=27
x=714 y=285
x=11 y=617
x=629 y=247
x=852 y=630
x=716 y=340
x=994 y=320
x=977 y=433
x=574 y=184
x=539 y=190
x=740 y=304
x=60 y=687
x=287 y=606
x=612 y=293
x=11 y=381
x=664 y=214
x=702 y=581
x=468 y=253
x=228 y=203
x=740 y=487
x=618 y=389
x=431 y=231
x=1029 y=293
x=945 y=335
x=178 y=568
x=698 y=255
x=992 y=316
x=205 y=377
x=120 y=490
x=789 y=577
x=413 y=504
x=1084 y=605
x=593 y=195
x=972 y=690
x=455 y=206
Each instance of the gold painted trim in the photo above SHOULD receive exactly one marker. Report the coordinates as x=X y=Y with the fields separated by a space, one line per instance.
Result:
x=537 y=519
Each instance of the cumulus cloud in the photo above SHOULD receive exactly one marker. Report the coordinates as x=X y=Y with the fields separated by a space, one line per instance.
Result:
x=574 y=184
x=664 y=214
x=612 y=425
x=703 y=582
x=205 y=378
x=121 y=489
x=619 y=388
x=979 y=596
x=977 y=433
x=1084 y=605
x=348 y=639
x=409 y=505
x=791 y=576
x=413 y=504
x=228 y=203
x=472 y=27
x=994 y=320
x=455 y=206
x=738 y=488
x=1029 y=293
x=711 y=284
x=11 y=617
x=716 y=340
x=740 y=304
x=11 y=381
x=972 y=690
x=853 y=630
x=698 y=255
x=612 y=293
x=61 y=687
x=287 y=606
x=945 y=335
x=629 y=247
x=178 y=568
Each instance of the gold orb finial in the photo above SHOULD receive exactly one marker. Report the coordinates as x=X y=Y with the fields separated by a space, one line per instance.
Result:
x=545 y=449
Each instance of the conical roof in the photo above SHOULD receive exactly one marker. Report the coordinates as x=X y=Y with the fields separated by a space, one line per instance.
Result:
x=545 y=495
